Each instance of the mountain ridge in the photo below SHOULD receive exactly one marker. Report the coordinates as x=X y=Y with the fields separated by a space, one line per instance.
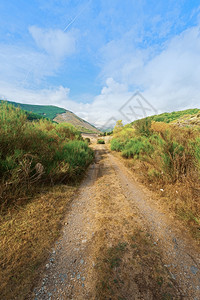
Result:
x=57 y=114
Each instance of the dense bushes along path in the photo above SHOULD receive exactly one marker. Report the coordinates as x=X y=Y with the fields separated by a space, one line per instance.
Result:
x=117 y=243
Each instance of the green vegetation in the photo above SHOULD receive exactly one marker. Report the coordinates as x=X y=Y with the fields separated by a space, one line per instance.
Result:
x=117 y=144
x=173 y=116
x=47 y=111
x=37 y=151
x=100 y=141
x=33 y=117
x=56 y=114
x=87 y=140
x=105 y=133
x=108 y=133
x=40 y=165
x=168 y=158
x=136 y=147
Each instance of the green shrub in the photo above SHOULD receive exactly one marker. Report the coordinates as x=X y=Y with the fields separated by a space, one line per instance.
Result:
x=174 y=152
x=143 y=127
x=100 y=141
x=167 y=158
x=177 y=157
x=77 y=155
x=196 y=146
x=117 y=145
x=87 y=140
x=109 y=132
x=31 y=152
x=137 y=147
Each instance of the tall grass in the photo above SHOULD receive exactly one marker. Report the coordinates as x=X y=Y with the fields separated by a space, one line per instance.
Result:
x=35 y=152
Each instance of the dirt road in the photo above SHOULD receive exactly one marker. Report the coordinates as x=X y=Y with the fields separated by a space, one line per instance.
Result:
x=117 y=243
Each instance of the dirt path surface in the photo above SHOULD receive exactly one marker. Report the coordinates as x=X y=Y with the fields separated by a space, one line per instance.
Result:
x=117 y=243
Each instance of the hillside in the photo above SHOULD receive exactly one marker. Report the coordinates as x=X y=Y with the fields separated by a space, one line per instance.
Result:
x=79 y=123
x=57 y=114
x=192 y=120
x=176 y=116
x=183 y=118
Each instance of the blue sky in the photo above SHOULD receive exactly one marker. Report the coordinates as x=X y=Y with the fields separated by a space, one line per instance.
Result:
x=91 y=56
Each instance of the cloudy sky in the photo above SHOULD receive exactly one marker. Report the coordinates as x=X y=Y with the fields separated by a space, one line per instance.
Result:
x=91 y=57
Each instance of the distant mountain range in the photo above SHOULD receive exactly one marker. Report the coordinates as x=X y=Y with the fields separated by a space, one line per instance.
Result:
x=58 y=115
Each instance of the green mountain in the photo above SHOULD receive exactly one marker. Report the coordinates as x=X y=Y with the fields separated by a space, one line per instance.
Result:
x=56 y=114
x=47 y=111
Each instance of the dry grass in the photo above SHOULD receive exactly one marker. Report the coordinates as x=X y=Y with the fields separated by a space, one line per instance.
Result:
x=170 y=168
x=134 y=268
x=127 y=262
x=26 y=236
x=182 y=198
x=160 y=126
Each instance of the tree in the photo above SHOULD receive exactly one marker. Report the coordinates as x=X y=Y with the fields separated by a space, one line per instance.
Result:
x=118 y=127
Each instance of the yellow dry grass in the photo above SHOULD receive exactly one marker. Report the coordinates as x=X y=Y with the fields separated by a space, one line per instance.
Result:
x=26 y=236
x=127 y=261
x=182 y=198
x=160 y=126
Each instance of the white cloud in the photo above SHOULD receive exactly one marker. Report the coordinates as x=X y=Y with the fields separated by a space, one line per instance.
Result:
x=169 y=79
x=113 y=87
x=24 y=66
x=16 y=62
x=123 y=60
x=104 y=106
x=54 y=41
x=58 y=96
x=172 y=77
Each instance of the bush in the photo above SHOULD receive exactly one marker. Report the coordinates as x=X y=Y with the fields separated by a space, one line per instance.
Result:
x=87 y=140
x=100 y=141
x=108 y=133
x=31 y=152
x=118 y=127
x=177 y=157
x=167 y=158
x=137 y=146
x=117 y=145
x=143 y=127
x=172 y=152
x=196 y=146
